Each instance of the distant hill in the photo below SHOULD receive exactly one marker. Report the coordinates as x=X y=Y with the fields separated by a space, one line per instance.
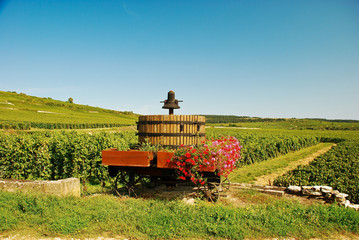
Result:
x=282 y=123
x=21 y=111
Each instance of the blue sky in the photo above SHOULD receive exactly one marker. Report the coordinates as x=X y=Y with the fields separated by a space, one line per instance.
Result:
x=261 y=58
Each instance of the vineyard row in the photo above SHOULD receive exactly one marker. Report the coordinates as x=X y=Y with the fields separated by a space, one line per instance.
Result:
x=29 y=125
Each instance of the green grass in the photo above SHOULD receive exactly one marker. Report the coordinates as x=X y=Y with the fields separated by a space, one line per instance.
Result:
x=110 y=216
x=249 y=173
x=23 y=108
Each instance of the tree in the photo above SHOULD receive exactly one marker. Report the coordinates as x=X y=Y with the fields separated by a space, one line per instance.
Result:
x=71 y=100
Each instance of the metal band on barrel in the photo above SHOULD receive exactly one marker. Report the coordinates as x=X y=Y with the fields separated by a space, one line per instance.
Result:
x=171 y=134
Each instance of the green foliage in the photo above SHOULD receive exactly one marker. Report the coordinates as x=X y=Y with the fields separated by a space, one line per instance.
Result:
x=58 y=155
x=147 y=146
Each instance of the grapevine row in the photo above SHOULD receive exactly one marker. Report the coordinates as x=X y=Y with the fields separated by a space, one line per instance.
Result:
x=29 y=125
x=58 y=155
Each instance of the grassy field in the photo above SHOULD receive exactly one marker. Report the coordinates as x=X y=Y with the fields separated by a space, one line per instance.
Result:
x=261 y=216
x=20 y=108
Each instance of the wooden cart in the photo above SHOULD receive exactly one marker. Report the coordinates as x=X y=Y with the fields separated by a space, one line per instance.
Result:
x=131 y=167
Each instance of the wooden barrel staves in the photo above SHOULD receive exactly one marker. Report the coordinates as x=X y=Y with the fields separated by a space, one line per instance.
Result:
x=171 y=130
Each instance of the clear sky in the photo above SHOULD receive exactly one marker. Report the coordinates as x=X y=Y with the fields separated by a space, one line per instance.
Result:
x=263 y=58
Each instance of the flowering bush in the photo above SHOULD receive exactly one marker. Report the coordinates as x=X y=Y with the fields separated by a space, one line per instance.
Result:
x=218 y=155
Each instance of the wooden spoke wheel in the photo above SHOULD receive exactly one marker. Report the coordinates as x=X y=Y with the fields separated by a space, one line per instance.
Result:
x=211 y=191
x=224 y=185
x=127 y=179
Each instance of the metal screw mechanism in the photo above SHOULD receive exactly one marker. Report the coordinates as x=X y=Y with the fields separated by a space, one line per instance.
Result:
x=171 y=103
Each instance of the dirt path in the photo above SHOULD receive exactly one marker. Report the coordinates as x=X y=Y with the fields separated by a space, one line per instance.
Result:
x=268 y=179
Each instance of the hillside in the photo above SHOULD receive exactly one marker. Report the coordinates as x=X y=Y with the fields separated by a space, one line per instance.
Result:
x=21 y=111
x=282 y=123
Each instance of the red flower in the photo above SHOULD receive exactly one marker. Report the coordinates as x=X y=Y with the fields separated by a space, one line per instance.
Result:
x=220 y=155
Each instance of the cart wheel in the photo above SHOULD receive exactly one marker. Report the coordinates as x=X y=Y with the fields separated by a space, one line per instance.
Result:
x=211 y=191
x=128 y=179
x=225 y=185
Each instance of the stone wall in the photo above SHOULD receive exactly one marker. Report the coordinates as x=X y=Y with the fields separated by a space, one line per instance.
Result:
x=324 y=193
x=63 y=187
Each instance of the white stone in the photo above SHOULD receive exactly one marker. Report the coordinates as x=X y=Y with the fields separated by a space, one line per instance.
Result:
x=314 y=193
x=354 y=206
x=345 y=203
x=310 y=191
x=341 y=195
x=189 y=201
x=294 y=189
x=326 y=189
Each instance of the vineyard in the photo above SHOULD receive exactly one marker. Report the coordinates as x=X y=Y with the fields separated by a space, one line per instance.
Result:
x=63 y=154
x=338 y=168
x=282 y=123
x=56 y=155
x=23 y=112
